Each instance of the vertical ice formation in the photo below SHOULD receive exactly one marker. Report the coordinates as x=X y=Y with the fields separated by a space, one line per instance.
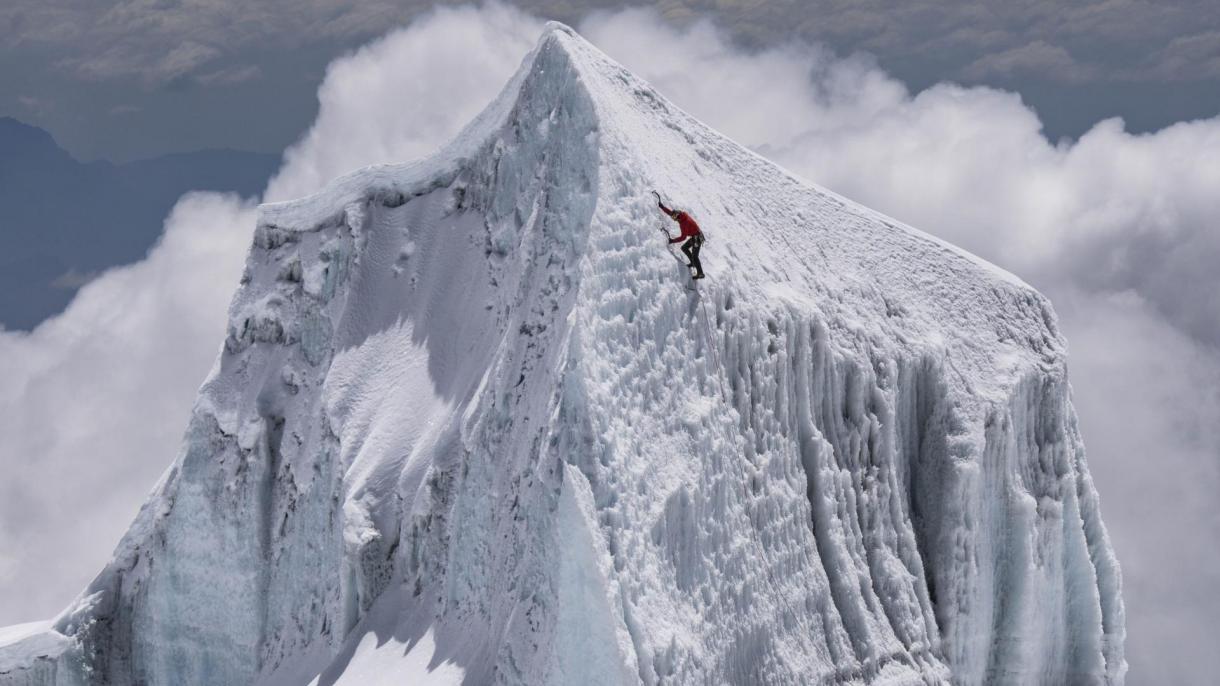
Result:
x=467 y=409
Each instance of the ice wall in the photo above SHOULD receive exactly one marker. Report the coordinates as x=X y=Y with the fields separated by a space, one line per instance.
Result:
x=467 y=405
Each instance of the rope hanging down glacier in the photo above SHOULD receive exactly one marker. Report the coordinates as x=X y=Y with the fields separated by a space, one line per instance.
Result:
x=718 y=371
x=708 y=341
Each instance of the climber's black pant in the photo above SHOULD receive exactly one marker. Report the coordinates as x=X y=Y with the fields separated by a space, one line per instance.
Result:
x=691 y=249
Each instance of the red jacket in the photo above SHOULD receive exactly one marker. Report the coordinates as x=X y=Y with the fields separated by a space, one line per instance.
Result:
x=687 y=225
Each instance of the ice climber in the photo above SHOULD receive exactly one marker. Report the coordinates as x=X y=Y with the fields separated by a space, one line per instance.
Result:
x=690 y=232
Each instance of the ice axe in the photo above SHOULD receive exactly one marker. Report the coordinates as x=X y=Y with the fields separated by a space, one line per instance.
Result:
x=658 y=197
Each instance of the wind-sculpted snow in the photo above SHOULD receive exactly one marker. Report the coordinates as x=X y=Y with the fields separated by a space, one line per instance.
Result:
x=469 y=426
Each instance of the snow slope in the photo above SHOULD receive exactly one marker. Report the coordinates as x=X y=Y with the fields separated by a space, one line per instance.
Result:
x=469 y=426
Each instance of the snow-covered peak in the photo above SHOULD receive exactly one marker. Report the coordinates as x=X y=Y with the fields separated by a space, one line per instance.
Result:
x=776 y=236
x=472 y=422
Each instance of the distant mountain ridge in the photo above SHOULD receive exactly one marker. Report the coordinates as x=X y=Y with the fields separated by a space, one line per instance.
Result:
x=63 y=221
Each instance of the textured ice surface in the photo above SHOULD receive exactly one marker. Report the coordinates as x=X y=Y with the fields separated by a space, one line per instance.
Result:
x=468 y=425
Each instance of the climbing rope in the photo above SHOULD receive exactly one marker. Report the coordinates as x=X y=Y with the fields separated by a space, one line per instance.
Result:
x=709 y=343
x=719 y=372
x=718 y=369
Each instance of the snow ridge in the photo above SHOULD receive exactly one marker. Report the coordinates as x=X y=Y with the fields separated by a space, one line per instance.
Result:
x=469 y=426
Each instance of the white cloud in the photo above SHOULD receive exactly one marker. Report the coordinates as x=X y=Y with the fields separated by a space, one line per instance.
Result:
x=231 y=75
x=1148 y=397
x=72 y=279
x=123 y=59
x=1116 y=228
x=401 y=96
x=1034 y=58
x=1186 y=57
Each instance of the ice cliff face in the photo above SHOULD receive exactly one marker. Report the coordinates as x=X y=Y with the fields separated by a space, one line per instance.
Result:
x=468 y=424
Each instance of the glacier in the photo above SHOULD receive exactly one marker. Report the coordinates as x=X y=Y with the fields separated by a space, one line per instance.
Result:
x=468 y=425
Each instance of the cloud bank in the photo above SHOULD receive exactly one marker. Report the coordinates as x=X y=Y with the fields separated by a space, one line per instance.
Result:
x=1115 y=39
x=1116 y=228
x=183 y=65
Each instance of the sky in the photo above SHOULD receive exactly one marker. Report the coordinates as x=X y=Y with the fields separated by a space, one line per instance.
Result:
x=1116 y=225
x=49 y=247
x=124 y=79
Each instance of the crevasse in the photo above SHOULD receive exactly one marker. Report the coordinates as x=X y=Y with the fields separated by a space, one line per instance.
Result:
x=469 y=424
